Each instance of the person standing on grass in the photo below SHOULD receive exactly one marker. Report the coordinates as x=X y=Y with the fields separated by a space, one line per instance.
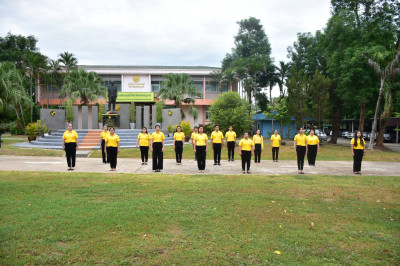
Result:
x=312 y=147
x=112 y=143
x=231 y=143
x=70 y=145
x=196 y=130
x=246 y=149
x=103 y=136
x=179 y=143
x=200 y=148
x=300 y=142
x=157 y=147
x=275 y=143
x=143 y=140
x=358 y=151
x=217 y=143
x=258 y=146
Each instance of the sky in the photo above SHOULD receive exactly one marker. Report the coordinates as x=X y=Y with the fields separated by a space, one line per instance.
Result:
x=156 y=32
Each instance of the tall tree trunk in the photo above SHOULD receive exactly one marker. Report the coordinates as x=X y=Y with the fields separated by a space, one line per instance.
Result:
x=31 y=94
x=362 y=119
x=336 y=125
x=281 y=128
x=270 y=93
x=384 y=117
x=374 y=124
x=22 y=114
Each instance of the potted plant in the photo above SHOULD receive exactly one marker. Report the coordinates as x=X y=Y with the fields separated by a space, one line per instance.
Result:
x=45 y=130
x=159 y=108
x=132 y=115
x=186 y=129
x=31 y=130
x=170 y=130
x=102 y=110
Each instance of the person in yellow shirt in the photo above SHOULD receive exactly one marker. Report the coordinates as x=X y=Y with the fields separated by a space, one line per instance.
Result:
x=275 y=144
x=312 y=147
x=358 y=151
x=103 y=136
x=157 y=147
x=258 y=146
x=195 y=131
x=200 y=148
x=112 y=143
x=179 y=143
x=217 y=143
x=231 y=143
x=300 y=142
x=143 y=141
x=70 y=145
x=246 y=150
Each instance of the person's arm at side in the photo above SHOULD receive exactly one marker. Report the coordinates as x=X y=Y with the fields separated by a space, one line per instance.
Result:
x=252 y=150
x=318 y=146
x=77 y=143
x=183 y=142
x=174 y=141
x=211 y=142
x=137 y=142
x=151 y=144
x=162 y=150
x=222 y=141
x=105 y=146
x=194 y=145
x=63 y=144
x=306 y=146
x=207 y=144
x=295 y=147
x=262 y=143
x=118 y=146
x=280 y=141
x=240 y=150
x=352 y=149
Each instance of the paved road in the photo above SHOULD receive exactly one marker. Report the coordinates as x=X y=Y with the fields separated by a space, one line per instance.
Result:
x=58 y=164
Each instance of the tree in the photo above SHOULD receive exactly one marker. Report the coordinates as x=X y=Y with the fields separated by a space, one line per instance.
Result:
x=54 y=69
x=84 y=85
x=230 y=110
x=283 y=73
x=319 y=92
x=68 y=61
x=262 y=101
x=280 y=113
x=297 y=97
x=14 y=47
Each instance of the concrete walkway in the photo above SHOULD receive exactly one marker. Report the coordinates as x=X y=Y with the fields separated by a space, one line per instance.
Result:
x=189 y=167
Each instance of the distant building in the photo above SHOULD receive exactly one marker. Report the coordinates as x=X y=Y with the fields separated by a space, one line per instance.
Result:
x=268 y=126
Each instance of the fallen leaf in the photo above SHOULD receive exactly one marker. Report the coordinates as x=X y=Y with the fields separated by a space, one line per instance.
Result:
x=280 y=226
x=277 y=252
x=284 y=211
x=312 y=224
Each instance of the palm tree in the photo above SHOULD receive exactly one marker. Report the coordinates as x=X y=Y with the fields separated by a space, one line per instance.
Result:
x=54 y=68
x=229 y=77
x=84 y=85
x=385 y=64
x=68 y=61
x=283 y=72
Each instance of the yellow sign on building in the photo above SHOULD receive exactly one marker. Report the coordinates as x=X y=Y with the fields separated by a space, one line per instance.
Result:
x=135 y=97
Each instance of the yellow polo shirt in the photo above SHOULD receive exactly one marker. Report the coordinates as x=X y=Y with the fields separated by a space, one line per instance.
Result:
x=312 y=140
x=246 y=144
x=217 y=136
x=112 y=140
x=179 y=136
x=70 y=136
x=230 y=136
x=359 y=146
x=201 y=139
x=301 y=139
x=104 y=134
x=275 y=140
x=258 y=140
x=144 y=139
x=157 y=137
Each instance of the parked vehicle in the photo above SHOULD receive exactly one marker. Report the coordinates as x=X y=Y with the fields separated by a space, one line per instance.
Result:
x=321 y=135
x=344 y=133
x=350 y=135
x=366 y=135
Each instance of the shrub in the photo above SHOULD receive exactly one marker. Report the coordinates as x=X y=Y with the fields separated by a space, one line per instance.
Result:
x=31 y=130
x=186 y=128
x=170 y=128
x=102 y=111
x=17 y=129
x=69 y=111
x=132 y=113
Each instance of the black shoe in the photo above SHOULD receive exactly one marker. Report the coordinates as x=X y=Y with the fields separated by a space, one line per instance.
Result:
x=215 y=163
x=219 y=164
x=229 y=160
x=232 y=160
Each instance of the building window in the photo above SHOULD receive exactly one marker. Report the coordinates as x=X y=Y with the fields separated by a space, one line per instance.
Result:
x=107 y=79
x=207 y=113
x=213 y=86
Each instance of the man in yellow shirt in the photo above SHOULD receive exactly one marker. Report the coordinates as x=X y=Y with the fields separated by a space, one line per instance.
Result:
x=179 y=142
x=275 y=143
x=231 y=143
x=196 y=130
x=157 y=147
x=246 y=149
x=217 y=142
x=70 y=145
x=200 y=148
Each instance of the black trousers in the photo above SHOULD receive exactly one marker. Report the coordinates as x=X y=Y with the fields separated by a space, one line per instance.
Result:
x=231 y=150
x=144 y=153
x=178 y=151
x=257 y=153
x=112 y=155
x=275 y=152
x=201 y=157
x=217 y=152
x=70 y=153
x=103 y=153
x=312 y=154
x=246 y=158
x=301 y=152
x=157 y=156
x=358 y=155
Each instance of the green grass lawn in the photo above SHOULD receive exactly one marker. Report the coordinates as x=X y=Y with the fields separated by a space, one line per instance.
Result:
x=60 y=218
x=327 y=152
x=7 y=148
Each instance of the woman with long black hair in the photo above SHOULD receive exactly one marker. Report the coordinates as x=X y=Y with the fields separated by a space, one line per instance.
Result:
x=358 y=151
x=275 y=143
x=312 y=147
x=103 y=136
x=143 y=140
x=300 y=149
x=70 y=145
x=157 y=147
x=112 y=143
x=258 y=146
x=179 y=142
x=200 y=148
x=246 y=149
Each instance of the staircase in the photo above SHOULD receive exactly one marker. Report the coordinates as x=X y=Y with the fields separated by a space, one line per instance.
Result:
x=90 y=139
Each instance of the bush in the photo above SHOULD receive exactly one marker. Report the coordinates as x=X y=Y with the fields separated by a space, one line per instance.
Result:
x=230 y=110
x=170 y=128
x=5 y=127
x=132 y=113
x=17 y=129
x=69 y=111
x=32 y=130
x=209 y=128
x=186 y=128
x=159 y=108
x=102 y=111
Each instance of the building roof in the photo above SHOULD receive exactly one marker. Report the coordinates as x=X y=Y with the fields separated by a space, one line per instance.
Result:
x=148 y=70
x=146 y=67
